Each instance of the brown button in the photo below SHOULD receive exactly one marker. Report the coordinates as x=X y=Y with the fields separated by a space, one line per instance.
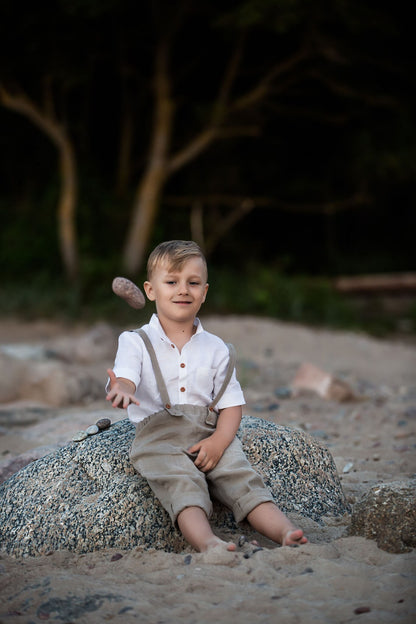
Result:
x=168 y=405
x=182 y=365
x=173 y=346
x=182 y=389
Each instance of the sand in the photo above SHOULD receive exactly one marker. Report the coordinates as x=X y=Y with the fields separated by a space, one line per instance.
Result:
x=334 y=578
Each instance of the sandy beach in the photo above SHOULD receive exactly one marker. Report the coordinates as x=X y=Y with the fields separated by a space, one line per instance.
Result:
x=335 y=578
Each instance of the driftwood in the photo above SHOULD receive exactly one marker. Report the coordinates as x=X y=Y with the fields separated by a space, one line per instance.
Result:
x=379 y=283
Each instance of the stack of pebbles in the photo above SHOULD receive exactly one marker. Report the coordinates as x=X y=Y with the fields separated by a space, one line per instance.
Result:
x=100 y=425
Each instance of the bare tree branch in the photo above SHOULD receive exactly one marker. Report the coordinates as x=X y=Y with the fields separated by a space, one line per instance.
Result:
x=219 y=112
x=227 y=223
x=331 y=207
x=193 y=149
x=346 y=91
x=262 y=88
x=197 y=223
x=20 y=103
x=222 y=102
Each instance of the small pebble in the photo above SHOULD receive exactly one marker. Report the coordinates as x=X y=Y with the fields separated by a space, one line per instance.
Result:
x=187 y=560
x=401 y=448
x=247 y=555
x=307 y=571
x=257 y=549
x=92 y=430
x=348 y=467
x=79 y=436
x=116 y=557
x=283 y=393
x=359 y=610
x=273 y=406
x=103 y=423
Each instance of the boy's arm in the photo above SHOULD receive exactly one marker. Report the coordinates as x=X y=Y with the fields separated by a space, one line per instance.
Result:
x=121 y=392
x=211 y=449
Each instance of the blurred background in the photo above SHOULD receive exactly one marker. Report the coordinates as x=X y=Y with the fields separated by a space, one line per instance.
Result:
x=278 y=134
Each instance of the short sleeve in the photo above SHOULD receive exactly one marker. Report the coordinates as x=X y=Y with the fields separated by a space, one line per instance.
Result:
x=129 y=357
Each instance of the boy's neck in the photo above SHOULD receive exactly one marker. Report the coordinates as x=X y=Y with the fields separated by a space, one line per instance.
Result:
x=179 y=333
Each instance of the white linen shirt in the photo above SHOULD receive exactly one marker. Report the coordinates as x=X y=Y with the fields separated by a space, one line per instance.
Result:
x=193 y=375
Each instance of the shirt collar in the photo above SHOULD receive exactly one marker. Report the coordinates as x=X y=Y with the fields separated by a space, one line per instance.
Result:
x=154 y=323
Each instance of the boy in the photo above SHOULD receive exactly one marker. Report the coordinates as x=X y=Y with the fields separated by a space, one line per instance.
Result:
x=172 y=378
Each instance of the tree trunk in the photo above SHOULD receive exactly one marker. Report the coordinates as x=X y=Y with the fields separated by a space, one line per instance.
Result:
x=68 y=198
x=66 y=210
x=145 y=208
x=146 y=202
x=123 y=170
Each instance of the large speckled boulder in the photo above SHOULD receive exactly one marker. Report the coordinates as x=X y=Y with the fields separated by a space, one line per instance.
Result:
x=387 y=514
x=87 y=496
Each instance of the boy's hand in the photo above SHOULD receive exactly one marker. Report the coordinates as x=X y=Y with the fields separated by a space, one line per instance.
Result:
x=210 y=450
x=121 y=392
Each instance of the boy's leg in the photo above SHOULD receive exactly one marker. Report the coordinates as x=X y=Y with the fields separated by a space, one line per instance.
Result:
x=268 y=520
x=196 y=529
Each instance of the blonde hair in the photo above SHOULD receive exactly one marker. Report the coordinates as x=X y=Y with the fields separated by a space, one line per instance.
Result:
x=174 y=253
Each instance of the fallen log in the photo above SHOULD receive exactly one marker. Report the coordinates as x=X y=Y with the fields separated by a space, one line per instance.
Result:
x=377 y=283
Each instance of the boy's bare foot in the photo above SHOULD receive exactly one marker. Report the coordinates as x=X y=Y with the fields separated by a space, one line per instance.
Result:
x=216 y=542
x=218 y=552
x=294 y=537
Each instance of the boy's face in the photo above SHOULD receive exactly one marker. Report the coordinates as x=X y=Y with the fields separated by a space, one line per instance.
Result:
x=178 y=294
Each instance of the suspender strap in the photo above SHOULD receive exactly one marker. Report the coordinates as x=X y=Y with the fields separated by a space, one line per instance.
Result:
x=156 y=368
x=230 y=369
x=159 y=377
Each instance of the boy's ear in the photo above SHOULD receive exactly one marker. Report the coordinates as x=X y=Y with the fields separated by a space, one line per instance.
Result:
x=148 y=289
x=205 y=293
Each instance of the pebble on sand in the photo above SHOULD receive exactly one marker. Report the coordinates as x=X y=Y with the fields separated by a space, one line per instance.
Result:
x=92 y=430
x=79 y=436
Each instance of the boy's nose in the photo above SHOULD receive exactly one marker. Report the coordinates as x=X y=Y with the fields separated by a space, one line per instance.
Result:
x=183 y=289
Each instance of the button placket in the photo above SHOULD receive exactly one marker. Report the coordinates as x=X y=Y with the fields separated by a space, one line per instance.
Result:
x=182 y=377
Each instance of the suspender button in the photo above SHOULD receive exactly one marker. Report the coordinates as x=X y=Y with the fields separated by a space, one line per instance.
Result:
x=168 y=406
